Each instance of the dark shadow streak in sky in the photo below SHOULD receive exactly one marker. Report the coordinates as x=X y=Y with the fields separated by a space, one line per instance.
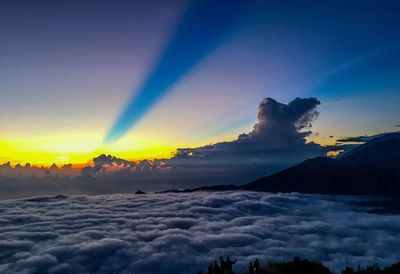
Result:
x=204 y=26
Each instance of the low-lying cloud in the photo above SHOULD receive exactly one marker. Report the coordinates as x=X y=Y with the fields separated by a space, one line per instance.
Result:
x=182 y=233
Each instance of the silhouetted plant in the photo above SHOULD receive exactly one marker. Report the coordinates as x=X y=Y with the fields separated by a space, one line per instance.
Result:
x=297 y=266
x=301 y=266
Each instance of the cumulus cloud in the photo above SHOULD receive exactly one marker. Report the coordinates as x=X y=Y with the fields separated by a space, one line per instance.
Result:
x=277 y=140
x=104 y=163
x=280 y=124
x=182 y=233
x=111 y=166
x=108 y=161
x=280 y=127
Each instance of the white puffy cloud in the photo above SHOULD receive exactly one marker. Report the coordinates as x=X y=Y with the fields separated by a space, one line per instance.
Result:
x=182 y=233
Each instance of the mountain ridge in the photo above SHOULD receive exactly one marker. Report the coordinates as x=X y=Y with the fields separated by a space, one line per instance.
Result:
x=372 y=168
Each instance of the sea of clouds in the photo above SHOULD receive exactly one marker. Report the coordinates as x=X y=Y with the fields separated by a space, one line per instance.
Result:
x=182 y=233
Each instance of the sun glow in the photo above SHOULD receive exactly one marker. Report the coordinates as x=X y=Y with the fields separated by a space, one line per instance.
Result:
x=77 y=149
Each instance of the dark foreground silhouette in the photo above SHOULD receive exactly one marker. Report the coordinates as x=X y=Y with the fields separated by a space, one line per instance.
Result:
x=369 y=169
x=296 y=266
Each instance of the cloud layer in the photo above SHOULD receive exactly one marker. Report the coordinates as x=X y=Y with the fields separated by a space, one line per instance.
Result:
x=181 y=233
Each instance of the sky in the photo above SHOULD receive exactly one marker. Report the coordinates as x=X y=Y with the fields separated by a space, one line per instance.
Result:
x=141 y=79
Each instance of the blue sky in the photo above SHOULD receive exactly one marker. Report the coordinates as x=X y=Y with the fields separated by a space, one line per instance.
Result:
x=69 y=69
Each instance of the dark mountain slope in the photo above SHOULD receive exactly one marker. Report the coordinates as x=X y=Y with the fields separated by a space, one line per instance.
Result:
x=371 y=168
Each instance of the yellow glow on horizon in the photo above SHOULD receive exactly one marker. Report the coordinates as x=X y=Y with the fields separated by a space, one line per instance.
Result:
x=322 y=140
x=77 y=149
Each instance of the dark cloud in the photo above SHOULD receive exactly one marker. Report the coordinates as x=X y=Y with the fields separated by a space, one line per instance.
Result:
x=28 y=172
x=67 y=167
x=360 y=139
x=114 y=167
x=279 y=124
x=88 y=171
x=181 y=233
x=355 y=139
x=105 y=162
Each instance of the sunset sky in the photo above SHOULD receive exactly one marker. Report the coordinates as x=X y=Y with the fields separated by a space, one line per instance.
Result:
x=70 y=72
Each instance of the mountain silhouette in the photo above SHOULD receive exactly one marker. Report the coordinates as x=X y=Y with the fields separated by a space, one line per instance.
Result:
x=371 y=168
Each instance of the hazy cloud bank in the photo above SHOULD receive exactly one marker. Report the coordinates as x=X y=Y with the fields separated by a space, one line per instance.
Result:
x=181 y=233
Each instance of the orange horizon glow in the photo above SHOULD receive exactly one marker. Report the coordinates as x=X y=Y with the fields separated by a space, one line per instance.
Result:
x=23 y=151
x=77 y=150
